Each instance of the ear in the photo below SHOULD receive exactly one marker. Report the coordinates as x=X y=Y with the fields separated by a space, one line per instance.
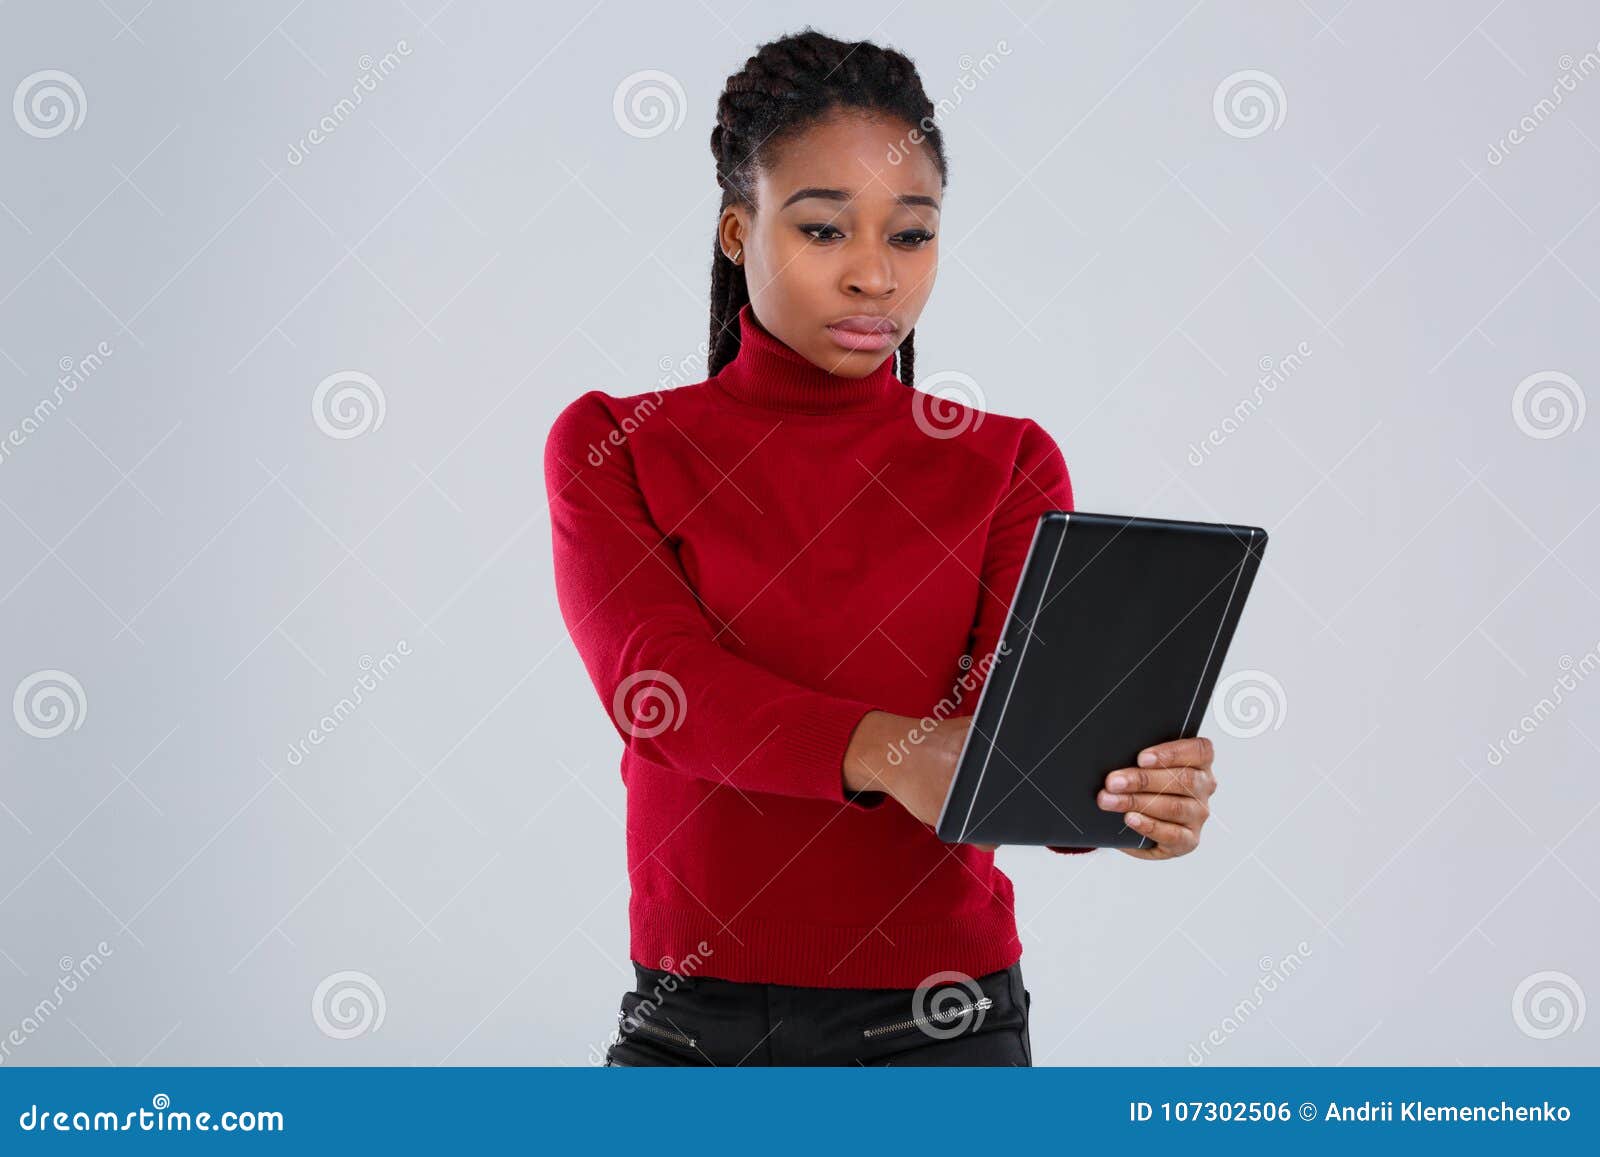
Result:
x=731 y=230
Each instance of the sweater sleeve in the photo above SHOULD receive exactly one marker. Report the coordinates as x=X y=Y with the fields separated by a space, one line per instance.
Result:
x=675 y=695
x=1039 y=482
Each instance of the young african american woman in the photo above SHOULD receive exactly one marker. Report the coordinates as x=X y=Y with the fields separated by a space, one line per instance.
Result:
x=782 y=579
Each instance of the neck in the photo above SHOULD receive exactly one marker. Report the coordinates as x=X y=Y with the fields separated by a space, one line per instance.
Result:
x=768 y=373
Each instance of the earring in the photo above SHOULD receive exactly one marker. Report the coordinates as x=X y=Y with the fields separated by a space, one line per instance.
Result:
x=738 y=253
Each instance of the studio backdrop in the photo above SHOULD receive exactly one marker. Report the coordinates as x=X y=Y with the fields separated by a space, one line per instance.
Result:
x=301 y=765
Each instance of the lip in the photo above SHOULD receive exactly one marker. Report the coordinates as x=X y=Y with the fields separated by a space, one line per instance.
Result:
x=863 y=331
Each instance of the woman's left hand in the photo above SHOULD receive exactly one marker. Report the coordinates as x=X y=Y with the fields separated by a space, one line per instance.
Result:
x=1166 y=798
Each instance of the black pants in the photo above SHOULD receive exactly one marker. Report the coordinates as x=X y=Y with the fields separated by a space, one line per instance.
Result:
x=668 y=1019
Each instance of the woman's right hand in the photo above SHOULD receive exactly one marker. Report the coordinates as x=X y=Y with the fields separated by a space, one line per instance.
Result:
x=917 y=774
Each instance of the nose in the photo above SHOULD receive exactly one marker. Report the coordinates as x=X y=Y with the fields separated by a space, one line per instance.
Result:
x=870 y=273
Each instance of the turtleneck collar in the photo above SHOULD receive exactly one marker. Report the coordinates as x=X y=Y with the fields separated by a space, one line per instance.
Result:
x=768 y=373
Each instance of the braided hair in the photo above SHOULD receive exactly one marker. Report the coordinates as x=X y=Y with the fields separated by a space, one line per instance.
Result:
x=789 y=85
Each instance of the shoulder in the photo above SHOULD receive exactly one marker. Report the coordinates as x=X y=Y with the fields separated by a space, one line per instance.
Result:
x=596 y=419
x=1019 y=453
x=1009 y=440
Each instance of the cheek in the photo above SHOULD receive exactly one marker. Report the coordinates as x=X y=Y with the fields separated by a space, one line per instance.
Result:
x=781 y=249
x=918 y=270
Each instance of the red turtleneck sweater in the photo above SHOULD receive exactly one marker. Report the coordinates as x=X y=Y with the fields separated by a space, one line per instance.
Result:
x=747 y=566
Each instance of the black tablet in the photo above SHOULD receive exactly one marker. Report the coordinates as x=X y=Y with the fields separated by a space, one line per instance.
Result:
x=1116 y=634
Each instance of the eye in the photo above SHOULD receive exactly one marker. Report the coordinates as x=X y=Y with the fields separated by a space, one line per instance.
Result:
x=812 y=231
x=914 y=238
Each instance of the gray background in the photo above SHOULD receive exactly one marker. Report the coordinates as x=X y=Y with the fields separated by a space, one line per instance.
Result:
x=483 y=239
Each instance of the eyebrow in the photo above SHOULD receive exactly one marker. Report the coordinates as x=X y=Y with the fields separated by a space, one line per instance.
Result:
x=825 y=194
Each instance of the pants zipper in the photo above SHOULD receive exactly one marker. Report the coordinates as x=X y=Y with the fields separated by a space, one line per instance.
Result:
x=665 y=1033
x=982 y=1003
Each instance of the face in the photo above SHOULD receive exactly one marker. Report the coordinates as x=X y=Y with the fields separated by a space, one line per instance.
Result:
x=841 y=257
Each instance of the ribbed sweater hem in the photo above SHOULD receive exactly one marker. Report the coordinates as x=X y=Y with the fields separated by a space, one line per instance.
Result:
x=750 y=950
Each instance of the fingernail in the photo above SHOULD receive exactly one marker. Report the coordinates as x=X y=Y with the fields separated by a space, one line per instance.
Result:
x=1135 y=820
x=1112 y=802
x=1147 y=759
x=1117 y=782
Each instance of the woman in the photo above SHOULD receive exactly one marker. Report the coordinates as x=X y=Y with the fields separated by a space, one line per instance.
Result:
x=776 y=575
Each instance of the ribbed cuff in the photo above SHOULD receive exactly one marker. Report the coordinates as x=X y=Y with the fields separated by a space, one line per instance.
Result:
x=816 y=741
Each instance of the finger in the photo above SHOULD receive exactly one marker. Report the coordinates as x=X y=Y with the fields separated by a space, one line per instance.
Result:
x=1180 y=809
x=1196 y=752
x=1198 y=782
x=1174 y=838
